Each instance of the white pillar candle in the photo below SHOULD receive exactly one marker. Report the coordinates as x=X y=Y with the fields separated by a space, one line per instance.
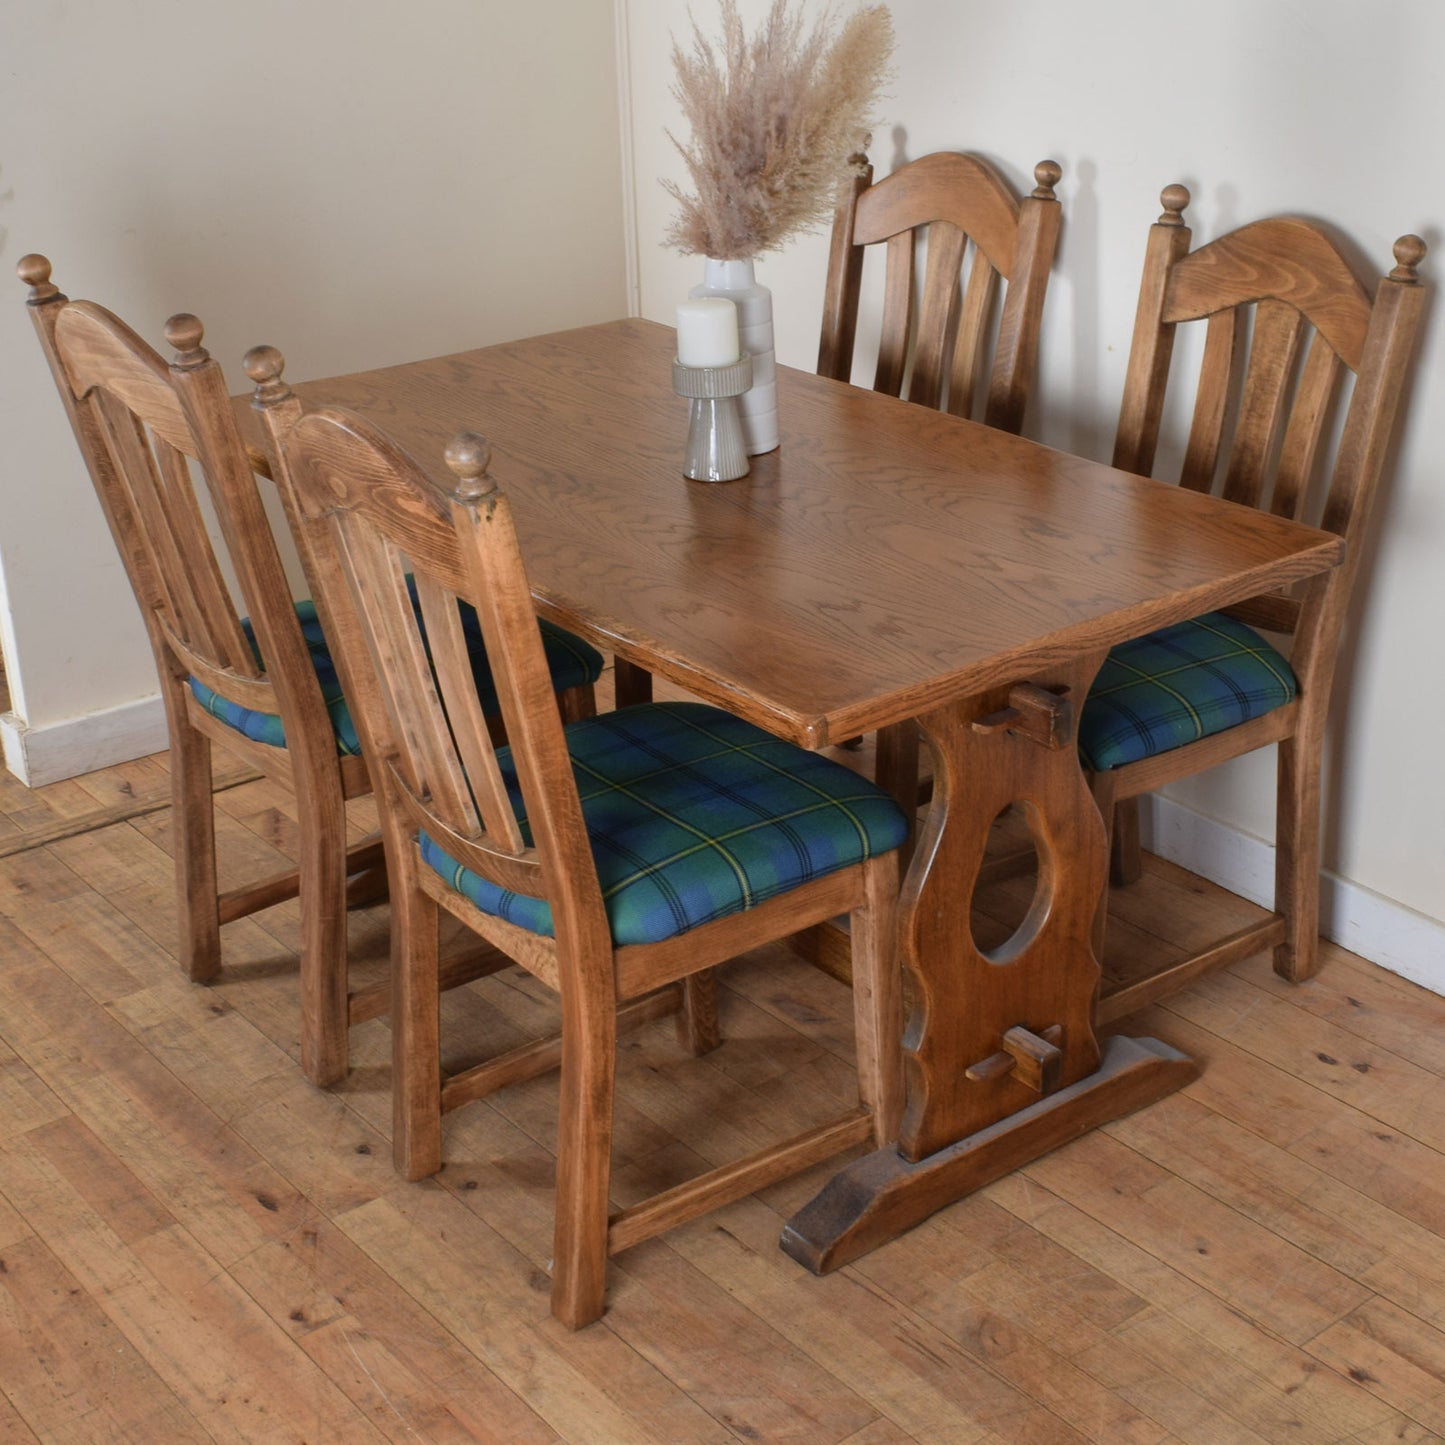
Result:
x=707 y=332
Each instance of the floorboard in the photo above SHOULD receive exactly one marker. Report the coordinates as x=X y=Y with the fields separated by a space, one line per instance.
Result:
x=197 y=1245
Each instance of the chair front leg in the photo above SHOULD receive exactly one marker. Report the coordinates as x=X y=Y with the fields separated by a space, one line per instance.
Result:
x=584 y=1146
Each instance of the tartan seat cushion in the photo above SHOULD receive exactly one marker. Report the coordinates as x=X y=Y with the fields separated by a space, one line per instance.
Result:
x=694 y=814
x=1177 y=685
x=571 y=661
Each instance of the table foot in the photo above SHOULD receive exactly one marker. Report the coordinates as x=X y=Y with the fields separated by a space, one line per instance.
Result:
x=880 y=1196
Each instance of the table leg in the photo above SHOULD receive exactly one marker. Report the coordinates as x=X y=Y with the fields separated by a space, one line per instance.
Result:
x=1003 y=1063
x=633 y=683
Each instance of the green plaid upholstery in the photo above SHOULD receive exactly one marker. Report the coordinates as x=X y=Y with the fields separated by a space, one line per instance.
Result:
x=1177 y=685
x=694 y=814
x=572 y=663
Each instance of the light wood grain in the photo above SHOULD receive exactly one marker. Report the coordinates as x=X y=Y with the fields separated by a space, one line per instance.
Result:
x=1026 y=1311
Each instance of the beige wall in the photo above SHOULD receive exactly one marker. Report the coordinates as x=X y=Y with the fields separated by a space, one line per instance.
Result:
x=1329 y=110
x=356 y=183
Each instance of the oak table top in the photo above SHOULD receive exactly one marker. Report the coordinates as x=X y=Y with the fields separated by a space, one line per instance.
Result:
x=884 y=558
x=887 y=562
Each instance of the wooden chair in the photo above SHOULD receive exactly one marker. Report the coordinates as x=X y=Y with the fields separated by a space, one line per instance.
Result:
x=938 y=339
x=1302 y=371
x=140 y=423
x=604 y=896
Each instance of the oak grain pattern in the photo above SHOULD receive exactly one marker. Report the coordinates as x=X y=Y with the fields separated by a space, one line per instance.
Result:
x=1017 y=556
x=1015 y=1314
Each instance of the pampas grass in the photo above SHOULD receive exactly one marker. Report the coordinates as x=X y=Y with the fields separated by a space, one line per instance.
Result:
x=776 y=119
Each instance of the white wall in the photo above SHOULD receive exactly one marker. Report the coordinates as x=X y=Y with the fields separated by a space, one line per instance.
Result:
x=356 y=183
x=1259 y=107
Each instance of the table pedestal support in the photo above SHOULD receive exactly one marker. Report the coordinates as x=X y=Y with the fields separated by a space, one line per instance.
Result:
x=878 y=1197
x=1002 y=1060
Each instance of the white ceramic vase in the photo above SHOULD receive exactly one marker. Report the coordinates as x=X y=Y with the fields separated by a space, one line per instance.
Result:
x=758 y=405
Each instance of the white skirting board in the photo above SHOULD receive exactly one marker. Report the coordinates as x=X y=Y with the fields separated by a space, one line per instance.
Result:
x=77 y=745
x=1378 y=928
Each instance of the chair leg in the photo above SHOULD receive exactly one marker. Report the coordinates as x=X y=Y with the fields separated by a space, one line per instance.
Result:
x=584 y=1153
x=577 y=702
x=896 y=767
x=1297 y=856
x=877 y=998
x=1126 y=859
x=631 y=684
x=194 y=820
x=697 y=1021
x=325 y=1025
x=416 y=1104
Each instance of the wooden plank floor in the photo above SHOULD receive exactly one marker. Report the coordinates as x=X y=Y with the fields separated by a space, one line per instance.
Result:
x=196 y=1245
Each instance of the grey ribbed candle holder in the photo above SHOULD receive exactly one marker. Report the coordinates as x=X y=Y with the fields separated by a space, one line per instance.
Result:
x=715 y=448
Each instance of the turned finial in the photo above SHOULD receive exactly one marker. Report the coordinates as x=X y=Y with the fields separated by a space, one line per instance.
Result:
x=184 y=332
x=469 y=455
x=1174 y=199
x=264 y=365
x=1409 y=252
x=34 y=271
x=1046 y=174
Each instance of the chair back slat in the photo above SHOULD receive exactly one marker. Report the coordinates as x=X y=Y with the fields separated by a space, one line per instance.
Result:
x=952 y=200
x=470 y=732
x=1218 y=376
x=223 y=634
x=133 y=490
x=938 y=306
x=897 y=315
x=970 y=346
x=377 y=576
x=167 y=523
x=1273 y=355
x=1308 y=421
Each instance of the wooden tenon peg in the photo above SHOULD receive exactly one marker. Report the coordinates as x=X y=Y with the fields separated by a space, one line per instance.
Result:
x=1035 y=1058
x=1037 y=713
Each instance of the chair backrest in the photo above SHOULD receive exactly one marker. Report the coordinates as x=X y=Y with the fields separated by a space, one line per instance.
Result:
x=140 y=424
x=954 y=199
x=370 y=517
x=1292 y=336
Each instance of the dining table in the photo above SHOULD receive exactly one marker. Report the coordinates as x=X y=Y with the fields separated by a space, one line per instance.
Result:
x=887 y=562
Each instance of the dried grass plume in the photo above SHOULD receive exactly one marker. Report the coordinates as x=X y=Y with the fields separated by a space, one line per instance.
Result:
x=775 y=118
